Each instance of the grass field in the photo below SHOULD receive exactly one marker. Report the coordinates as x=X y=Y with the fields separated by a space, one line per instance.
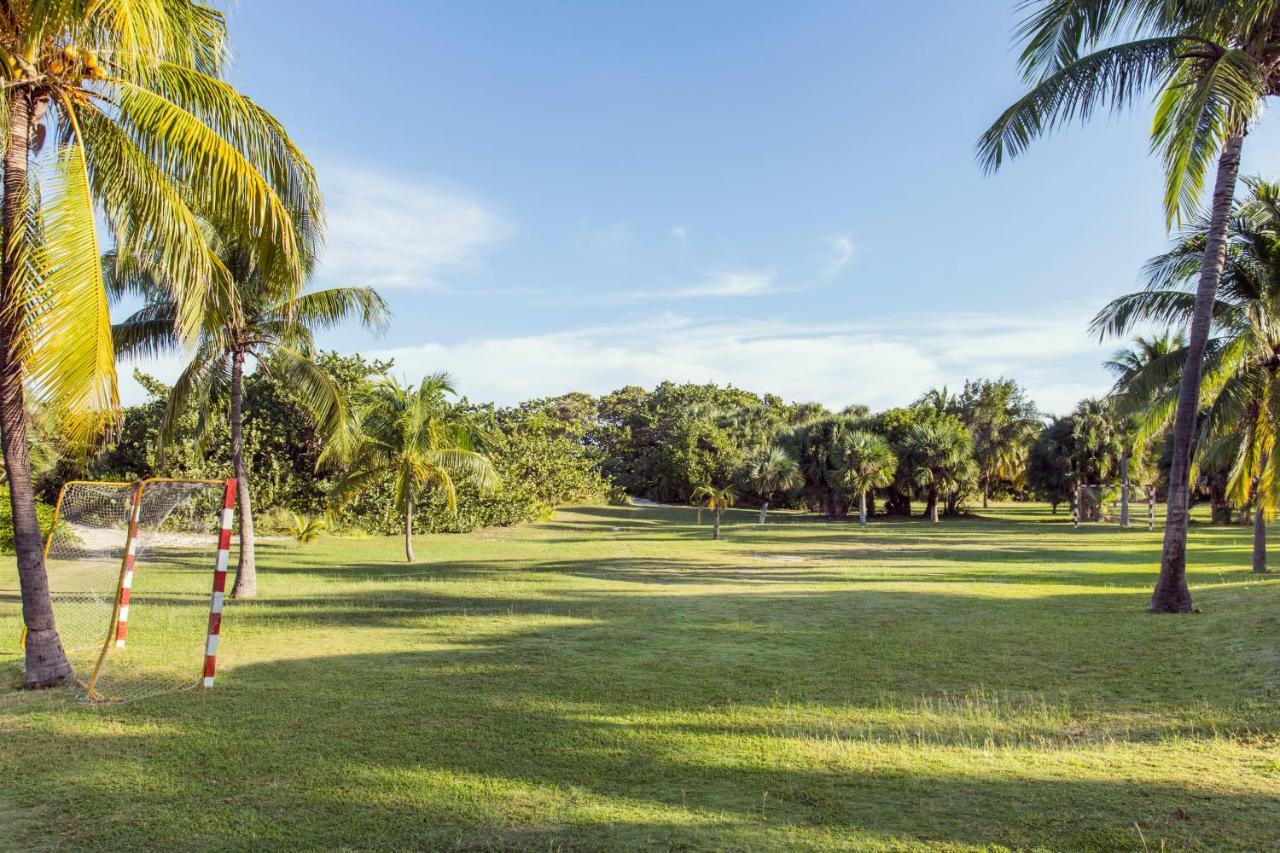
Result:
x=614 y=679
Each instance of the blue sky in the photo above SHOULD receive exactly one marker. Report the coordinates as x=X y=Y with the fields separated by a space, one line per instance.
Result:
x=581 y=195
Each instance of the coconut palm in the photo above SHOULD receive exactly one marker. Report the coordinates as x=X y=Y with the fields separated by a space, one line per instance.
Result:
x=717 y=499
x=1125 y=364
x=263 y=321
x=939 y=457
x=769 y=470
x=411 y=438
x=869 y=463
x=1214 y=65
x=115 y=107
x=1241 y=391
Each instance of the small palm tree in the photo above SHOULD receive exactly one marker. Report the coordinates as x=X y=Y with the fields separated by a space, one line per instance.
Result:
x=262 y=319
x=1126 y=365
x=869 y=463
x=307 y=529
x=770 y=470
x=716 y=499
x=410 y=436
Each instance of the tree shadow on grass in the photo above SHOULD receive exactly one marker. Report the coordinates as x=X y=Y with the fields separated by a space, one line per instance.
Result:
x=519 y=742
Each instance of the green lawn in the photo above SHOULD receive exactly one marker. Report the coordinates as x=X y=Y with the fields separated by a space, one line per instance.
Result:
x=612 y=678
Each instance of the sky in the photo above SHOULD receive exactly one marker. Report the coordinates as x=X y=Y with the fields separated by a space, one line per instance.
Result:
x=560 y=196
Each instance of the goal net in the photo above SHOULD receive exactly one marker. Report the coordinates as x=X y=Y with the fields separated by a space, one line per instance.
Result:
x=136 y=575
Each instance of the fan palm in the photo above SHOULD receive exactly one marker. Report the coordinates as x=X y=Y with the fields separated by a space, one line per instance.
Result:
x=115 y=107
x=869 y=463
x=939 y=455
x=1241 y=391
x=410 y=437
x=769 y=470
x=1214 y=64
x=717 y=499
x=263 y=319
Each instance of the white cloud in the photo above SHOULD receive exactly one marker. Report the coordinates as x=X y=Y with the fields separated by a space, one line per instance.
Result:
x=727 y=283
x=880 y=364
x=842 y=249
x=712 y=285
x=395 y=232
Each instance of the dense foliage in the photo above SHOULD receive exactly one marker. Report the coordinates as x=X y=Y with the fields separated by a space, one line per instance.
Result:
x=662 y=444
x=538 y=448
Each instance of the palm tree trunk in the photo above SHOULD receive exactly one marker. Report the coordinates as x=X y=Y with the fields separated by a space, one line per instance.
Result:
x=408 y=532
x=1124 y=487
x=986 y=487
x=715 y=530
x=764 y=510
x=1171 y=594
x=1260 y=541
x=46 y=663
x=862 y=507
x=246 y=585
x=931 y=508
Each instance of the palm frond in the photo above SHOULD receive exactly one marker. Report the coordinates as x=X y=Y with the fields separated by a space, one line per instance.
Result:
x=69 y=357
x=1112 y=78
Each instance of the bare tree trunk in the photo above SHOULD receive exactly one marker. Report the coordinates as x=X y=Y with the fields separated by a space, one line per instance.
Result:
x=1124 y=487
x=862 y=507
x=986 y=487
x=715 y=530
x=1171 y=594
x=408 y=532
x=246 y=585
x=932 y=506
x=764 y=509
x=1260 y=541
x=46 y=664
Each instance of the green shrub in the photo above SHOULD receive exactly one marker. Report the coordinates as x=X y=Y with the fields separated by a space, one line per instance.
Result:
x=44 y=512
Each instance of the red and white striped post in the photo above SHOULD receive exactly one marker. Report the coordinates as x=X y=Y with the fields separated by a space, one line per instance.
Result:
x=219 y=584
x=130 y=557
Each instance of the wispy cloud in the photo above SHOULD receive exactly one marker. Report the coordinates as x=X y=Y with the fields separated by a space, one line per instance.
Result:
x=389 y=231
x=729 y=283
x=681 y=234
x=713 y=285
x=841 y=249
x=888 y=362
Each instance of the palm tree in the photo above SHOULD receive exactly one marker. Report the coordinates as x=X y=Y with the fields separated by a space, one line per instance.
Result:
x=869 y=463
x=1215 y=64
x=939 y=455
x=717 y=499
x=817 y=445
x=1242 y=371
x=1125 y=364
x=1001 y=420
x=130 y=101
x=937 y=400
x=263 y=319
x=769 y=470
x=410 y=437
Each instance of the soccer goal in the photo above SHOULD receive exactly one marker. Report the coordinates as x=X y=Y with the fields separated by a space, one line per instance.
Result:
x=137 y=573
